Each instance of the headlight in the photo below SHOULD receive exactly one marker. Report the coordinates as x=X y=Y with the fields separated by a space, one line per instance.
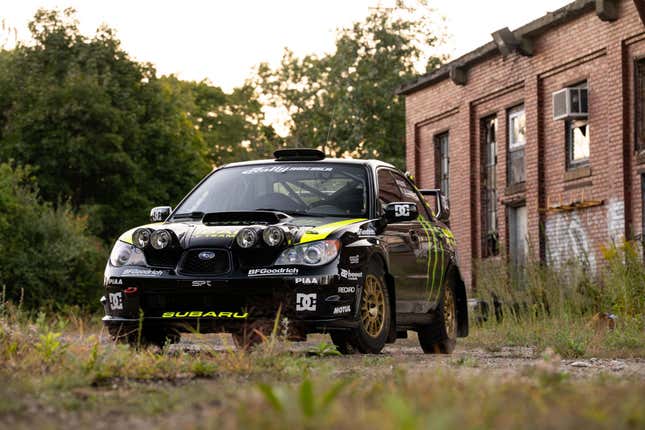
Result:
x=160 y=239
x=125 y=254
x=273 y=236
x=310 y=254
x=247 y=237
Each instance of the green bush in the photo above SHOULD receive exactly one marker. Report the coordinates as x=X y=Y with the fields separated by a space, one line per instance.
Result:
x=46 y=256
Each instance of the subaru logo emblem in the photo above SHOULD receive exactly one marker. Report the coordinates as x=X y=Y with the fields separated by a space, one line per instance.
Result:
x=206 y=255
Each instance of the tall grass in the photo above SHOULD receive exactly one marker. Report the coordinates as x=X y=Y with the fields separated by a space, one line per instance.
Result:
x=554 y=306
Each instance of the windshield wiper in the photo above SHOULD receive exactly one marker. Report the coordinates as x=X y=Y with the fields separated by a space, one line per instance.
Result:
x=189 y=215
x=288 y=212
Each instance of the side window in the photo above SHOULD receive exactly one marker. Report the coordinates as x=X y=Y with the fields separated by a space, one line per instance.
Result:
x=577 y=137
x=516 y=142
x=388 y=192
x=408 y=194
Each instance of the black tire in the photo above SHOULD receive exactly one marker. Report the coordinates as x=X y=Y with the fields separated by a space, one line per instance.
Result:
x=375 y=316
x=440 y=337
x=149 y=336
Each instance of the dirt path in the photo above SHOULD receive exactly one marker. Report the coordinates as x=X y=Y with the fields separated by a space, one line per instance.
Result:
x=406 y=354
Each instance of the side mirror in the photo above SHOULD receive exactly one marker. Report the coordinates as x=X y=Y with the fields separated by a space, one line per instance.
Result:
x=400 y=212
x=160 y=213
x=442 y=205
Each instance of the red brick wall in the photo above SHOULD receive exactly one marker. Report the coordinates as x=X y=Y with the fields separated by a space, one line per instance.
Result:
x=585 y=48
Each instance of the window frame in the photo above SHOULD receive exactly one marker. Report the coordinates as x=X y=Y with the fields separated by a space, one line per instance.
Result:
x=639 y=105
x=442 y=152
x=512 y=147
x=569 y=130
x=490 y=216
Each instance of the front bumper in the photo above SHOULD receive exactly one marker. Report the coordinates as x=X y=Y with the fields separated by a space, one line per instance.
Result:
x=312 y=302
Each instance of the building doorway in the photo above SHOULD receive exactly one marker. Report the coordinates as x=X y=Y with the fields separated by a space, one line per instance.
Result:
x=518 y=242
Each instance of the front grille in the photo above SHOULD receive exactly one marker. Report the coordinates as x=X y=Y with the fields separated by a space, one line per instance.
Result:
x=162 y=258
x=252 y=258
x=191 y=264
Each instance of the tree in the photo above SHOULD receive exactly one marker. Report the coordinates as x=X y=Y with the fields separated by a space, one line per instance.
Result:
x=101 y=131
x=345 y=102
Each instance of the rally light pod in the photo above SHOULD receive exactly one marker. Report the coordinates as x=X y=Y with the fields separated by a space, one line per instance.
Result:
x=273 y=236
x=161 y=239
x=247 y=237
x=141 y=237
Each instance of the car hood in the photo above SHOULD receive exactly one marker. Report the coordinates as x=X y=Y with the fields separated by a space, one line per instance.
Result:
x=195 y=234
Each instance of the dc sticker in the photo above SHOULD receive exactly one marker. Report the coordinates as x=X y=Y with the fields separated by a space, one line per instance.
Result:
x=305 y=302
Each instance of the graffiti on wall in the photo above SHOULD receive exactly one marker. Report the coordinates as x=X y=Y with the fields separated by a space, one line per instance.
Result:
x=568 y=233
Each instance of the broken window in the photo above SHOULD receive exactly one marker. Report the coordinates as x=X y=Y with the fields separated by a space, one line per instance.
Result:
x=516 y=144
x=442 y=162
x=577 y=136
x=489 y=188
x=640 y=105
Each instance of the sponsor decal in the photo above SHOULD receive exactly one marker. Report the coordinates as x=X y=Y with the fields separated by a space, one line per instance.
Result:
x=143 y=272
x=352 y=276
x=274 y=272
x=354 y=259
x=115 y=281
x=282 y=169
x=205 y=314
x=367 y=232
x=116 y=301
x=201 y=283
x=401 y=210
x=313 y=280
x=346 y=290
x=306 y=302
x=342 y=309
x=206 y=255
x=204 y=233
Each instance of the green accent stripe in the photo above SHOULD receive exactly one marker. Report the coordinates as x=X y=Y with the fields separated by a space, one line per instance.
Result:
x=425 y=230
x=321 y=232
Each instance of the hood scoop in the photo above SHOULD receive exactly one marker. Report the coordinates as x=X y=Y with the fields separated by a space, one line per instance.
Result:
x=244 y=218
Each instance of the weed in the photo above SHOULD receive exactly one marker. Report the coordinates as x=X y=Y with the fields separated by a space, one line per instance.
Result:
x=324 y=349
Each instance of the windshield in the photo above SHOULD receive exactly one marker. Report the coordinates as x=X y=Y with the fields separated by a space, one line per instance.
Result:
x=294 y=188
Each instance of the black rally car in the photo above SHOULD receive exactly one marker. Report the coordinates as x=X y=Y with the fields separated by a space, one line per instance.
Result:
x=346 y=247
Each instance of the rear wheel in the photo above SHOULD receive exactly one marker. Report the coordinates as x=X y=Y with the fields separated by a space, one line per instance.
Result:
x=440 y=337
x=374 y=317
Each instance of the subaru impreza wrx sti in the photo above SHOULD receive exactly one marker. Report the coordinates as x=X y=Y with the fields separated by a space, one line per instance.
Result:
x=316 y=245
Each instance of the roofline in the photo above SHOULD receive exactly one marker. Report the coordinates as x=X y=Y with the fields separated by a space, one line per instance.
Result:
x=530 y=30
x=355 y=161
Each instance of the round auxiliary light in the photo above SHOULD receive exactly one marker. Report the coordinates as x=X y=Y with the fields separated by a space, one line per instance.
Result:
x=273 y=236
x=141 y=237
x=247 y=237
x=160 y=239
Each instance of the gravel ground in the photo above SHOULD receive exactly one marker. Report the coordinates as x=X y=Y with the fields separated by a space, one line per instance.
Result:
x=406 y=354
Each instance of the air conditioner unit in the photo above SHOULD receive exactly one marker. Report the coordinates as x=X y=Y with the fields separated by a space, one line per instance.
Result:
x=570 y=103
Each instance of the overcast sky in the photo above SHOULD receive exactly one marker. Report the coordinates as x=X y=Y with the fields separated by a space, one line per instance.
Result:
x=223 y=40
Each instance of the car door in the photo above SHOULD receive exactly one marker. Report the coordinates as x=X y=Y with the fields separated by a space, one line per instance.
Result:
x=407 y=245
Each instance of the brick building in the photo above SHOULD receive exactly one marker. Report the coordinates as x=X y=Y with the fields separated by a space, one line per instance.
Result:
x=528 y=172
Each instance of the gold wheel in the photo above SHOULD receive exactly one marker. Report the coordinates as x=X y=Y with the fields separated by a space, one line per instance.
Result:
x=373 y=306
x=449 y=313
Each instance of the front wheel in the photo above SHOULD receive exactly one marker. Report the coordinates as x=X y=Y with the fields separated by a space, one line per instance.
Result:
x=374 y=317
x=440 y=337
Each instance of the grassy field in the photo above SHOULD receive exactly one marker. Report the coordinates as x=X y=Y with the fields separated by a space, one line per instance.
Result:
x=64 y=372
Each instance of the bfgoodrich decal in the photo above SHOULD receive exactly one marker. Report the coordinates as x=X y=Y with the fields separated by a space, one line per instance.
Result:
x=274 y=272
x=143 y=272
